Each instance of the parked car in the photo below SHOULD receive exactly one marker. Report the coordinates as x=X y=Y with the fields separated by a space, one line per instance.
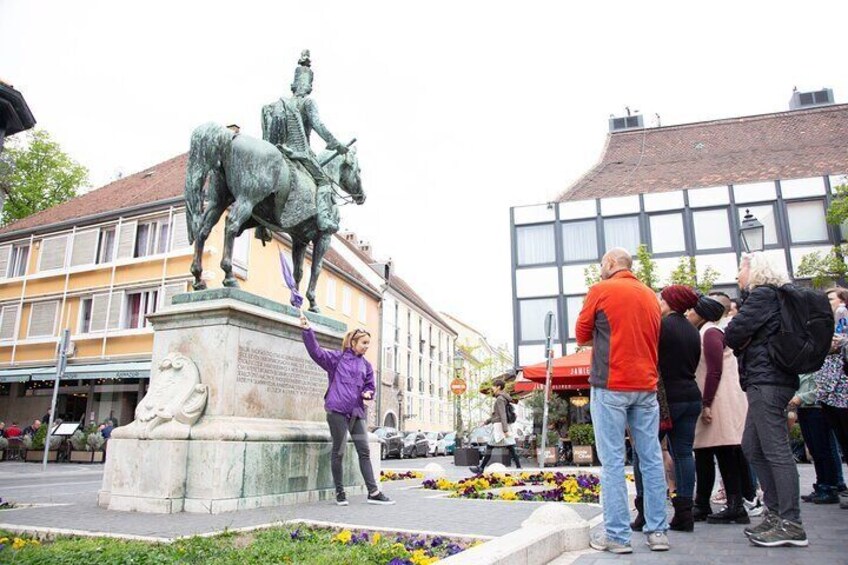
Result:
x=433 y=442
x=391 y=442
x=415 y=444
x=447 y=445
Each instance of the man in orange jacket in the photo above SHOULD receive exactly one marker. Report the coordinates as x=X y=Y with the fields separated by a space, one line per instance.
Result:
x=621 y=321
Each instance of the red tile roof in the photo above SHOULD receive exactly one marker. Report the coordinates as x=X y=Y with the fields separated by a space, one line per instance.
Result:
x=164 y=181
x=784 y=145
x=400 y=285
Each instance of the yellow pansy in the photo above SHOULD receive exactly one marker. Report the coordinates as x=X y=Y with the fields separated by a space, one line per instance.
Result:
x=343 y=536
x=376 y=538
x=18 y=543
x=509 y=495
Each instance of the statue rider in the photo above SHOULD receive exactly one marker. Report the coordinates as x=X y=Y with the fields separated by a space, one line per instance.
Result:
x=288 y=123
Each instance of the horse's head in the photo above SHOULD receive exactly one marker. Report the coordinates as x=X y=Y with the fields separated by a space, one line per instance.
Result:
x=349 y=177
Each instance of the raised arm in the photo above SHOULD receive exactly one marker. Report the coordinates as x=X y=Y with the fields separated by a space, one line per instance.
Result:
x=325 y=359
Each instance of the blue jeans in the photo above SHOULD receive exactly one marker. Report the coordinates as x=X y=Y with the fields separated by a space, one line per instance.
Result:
x=681 y=437
x=612 y=413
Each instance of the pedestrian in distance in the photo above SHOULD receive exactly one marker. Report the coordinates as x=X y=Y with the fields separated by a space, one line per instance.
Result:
x=768 y=388
x=620 y=319
x=351 y=383
x=503 y=415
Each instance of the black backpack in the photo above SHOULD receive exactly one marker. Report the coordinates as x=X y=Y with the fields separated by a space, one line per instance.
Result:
x=510 y=413
x=806 y=330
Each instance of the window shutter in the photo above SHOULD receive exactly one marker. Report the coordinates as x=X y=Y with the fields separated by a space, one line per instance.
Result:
x=8 y=322
x=126 y=240
x=179 y=239
x=98 y=312
x=169 y=291
x=84 y=247
x=5 y=253
x=53 y=251
x=42 y=320
x=115 y=310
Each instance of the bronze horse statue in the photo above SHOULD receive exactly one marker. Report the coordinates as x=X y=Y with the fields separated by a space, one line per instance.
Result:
x=261 y=187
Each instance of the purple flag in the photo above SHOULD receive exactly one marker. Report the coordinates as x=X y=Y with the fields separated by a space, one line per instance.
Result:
x=296 y=298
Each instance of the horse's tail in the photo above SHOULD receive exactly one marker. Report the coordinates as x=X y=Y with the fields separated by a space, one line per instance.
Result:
x=205 y=152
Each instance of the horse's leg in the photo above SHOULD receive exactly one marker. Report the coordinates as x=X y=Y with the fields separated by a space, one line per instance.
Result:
x=320 y=245
x=219 y=199
x=239 y=214
x=298 y=254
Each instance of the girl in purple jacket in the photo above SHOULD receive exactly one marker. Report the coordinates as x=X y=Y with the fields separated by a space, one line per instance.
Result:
x=351 y=383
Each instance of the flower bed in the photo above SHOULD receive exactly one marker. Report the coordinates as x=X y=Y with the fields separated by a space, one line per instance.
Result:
x=395 y=476
x=289 y=544
x=563 y=487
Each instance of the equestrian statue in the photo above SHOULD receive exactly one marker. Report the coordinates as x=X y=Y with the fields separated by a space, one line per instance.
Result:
x=276 y=183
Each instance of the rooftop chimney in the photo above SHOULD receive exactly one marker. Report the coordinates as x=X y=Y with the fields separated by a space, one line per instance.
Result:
x=365 y=247
x=801 y=100
x=625 y=123
x=350 y=236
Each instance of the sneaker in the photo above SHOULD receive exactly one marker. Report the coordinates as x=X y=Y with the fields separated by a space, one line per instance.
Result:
x=657 y=541
x=341 y=499
x=719 y=498
x=601 y=542
x=770 y=520
x=379 y=498
x=843 y=500
x=784 y=533
x=809 y=497
x=826 y=496
x=754 y=507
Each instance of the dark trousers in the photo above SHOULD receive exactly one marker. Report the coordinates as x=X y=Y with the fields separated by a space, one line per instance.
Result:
x=766 y=445
x=819 y=439
x=681 y=437
x=340 y=426
x=488 y=455
x=734 y=472
x=838 y=420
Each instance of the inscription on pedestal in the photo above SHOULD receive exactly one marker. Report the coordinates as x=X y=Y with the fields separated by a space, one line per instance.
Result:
x=278 y=372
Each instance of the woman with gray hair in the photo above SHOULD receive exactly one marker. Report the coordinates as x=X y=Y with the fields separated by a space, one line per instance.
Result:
x=768 y=389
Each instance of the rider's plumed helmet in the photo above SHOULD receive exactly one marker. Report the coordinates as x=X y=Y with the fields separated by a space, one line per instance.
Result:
x=303 y=73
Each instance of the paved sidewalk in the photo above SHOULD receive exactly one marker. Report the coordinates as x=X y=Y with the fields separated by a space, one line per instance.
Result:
x=71 y=492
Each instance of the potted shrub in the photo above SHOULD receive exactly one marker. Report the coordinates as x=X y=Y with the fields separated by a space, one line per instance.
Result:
x=582 y=442
x=4 y=443
x=34 y=445
x=87 y=446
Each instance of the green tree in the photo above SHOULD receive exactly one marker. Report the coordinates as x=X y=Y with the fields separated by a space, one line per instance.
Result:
x=36 y=174
x=646 y=271
x=686 y=273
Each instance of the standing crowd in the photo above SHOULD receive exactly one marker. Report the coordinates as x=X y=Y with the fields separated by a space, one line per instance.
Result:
x=710 y=376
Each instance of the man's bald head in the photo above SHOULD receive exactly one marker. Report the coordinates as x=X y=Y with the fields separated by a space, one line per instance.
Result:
x=615 y=260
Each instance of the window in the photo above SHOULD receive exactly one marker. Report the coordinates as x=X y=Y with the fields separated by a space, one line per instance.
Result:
x=86 y=305
x=18 y=260
x=346 y=301
x=580 y=241
x=42 y=319
x=532 y=316
x=573 y=305
x=667 y=233
x=765 y=214
x=152 y=237
x=535 y=244
x=8 y=321
x=106 y=245
x=622 y=232
x=807 y=221
x=331 y=293
x=712 y=230
x=137 y=306
x=53 y=252
x=363 y=310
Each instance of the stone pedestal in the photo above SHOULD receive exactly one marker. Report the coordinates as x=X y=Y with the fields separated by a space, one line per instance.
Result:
x=260 y=440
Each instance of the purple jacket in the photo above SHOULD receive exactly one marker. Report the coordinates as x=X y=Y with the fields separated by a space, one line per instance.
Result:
x=349 y=374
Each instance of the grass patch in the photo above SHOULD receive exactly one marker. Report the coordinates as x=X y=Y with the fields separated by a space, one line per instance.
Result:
x=286 y=544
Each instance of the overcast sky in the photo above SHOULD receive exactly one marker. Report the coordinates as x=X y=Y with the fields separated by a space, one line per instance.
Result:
x=461 y=109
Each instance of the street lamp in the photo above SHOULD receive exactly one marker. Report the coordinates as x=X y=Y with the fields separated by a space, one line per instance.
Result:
x=751 y=232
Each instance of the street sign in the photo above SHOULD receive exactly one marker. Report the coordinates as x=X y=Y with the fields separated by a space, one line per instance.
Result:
x=458 y=387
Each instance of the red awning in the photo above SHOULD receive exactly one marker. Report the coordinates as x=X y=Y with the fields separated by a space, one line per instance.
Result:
x=568 y=373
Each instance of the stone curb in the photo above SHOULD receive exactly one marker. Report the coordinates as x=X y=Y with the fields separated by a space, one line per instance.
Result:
x=548 y=533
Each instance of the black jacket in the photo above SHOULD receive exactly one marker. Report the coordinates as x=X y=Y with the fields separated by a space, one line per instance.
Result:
x=748 y=334
x=679 y=353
